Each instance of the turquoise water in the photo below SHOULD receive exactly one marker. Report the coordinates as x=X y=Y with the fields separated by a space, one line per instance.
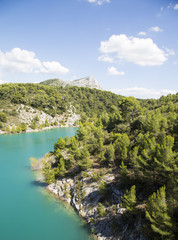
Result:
x=27 y=211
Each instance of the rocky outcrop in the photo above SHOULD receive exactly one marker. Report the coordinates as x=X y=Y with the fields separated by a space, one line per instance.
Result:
x=85 y=196
x=54 y=82
x=43 y=121
x=89 y=82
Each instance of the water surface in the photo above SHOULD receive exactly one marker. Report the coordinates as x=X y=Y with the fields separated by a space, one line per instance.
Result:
x=27 y=212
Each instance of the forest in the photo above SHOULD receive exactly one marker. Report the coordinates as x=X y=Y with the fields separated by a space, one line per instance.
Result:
x=136 y=140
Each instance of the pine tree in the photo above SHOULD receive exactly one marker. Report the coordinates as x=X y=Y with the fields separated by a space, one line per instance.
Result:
x=85 y=162
x=157 y=214
x=48 y=173
x=129 y=199
x=110 y=153
x=121 y=146
x=124 y=173
x=61 y=167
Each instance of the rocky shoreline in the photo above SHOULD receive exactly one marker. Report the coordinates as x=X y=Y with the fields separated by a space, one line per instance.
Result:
x=27 y=114
x=85 y=197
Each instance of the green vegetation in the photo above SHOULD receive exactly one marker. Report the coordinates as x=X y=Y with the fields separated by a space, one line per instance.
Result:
x=129 y=199
x=158 y=215
x=3 y=117
x=136 y=141
x=56 y=100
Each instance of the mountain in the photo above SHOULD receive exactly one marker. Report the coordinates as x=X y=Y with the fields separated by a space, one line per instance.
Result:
x=89 y=82
x=54 y=82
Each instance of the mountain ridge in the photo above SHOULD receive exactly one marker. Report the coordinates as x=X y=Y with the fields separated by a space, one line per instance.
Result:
x=89 y=82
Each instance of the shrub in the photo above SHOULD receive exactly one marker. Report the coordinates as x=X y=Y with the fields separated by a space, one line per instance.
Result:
x=103 y=188
x=3 y=117
x=101 y=210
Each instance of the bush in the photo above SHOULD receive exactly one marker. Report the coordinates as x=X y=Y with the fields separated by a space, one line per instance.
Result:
x=103 y=188
x=23 y=127
x=101 y=210
x=3 y=117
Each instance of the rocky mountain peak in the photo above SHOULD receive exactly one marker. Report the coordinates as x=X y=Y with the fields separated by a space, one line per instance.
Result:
x=89 y=82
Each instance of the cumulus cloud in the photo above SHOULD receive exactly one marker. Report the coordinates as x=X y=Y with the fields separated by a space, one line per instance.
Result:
x=105 y=58
x=142 y=34
x=24 y=61
x=139 y=92
x=53 y=68
x=140 y=51
x=114 y=71
x=156 y=29
x=176 y=7
x=99 y=2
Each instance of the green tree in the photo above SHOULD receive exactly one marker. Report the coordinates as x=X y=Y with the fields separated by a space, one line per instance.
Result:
x=157 y=214
x=48 y=173
x=61 y=167
x=23 y=127
x=124 y=173
x=103 y=188
x=121 y=146
x=131 y=108
x=129 y=199
x=3 y=117
x=60 y=144
x=110 y=153
x=84 y=162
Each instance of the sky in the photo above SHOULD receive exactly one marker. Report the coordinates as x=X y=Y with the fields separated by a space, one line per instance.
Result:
x=129 y=46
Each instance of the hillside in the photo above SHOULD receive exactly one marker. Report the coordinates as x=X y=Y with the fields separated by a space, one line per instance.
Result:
x=123 y=158
x=120 y=170
x=36 y=106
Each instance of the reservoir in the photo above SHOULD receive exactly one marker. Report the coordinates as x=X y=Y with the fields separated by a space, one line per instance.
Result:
x=27 y=211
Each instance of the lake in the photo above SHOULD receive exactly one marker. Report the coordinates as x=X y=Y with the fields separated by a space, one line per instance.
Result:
x=27 y=211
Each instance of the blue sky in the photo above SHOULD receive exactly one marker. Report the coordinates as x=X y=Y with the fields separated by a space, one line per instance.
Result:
x=130 y=47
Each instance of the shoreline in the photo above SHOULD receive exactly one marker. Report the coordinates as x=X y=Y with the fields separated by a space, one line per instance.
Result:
x=87 y=205
x=37 y=130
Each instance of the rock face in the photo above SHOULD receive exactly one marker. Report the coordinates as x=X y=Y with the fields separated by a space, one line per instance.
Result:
x=83 y=194
x=89 y=82
x=27 y=114
x=54 y=82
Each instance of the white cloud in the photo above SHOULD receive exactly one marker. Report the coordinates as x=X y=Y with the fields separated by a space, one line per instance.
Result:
x=99 y=2
x=140 y=51
x=156 y=29
x=176 y=7
x=169 y=52
x=142 y=92
x=24 y=61
x=142 y=34
x=114 y=71
x=2 y=81
x=105 y=58
x=53 y=68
